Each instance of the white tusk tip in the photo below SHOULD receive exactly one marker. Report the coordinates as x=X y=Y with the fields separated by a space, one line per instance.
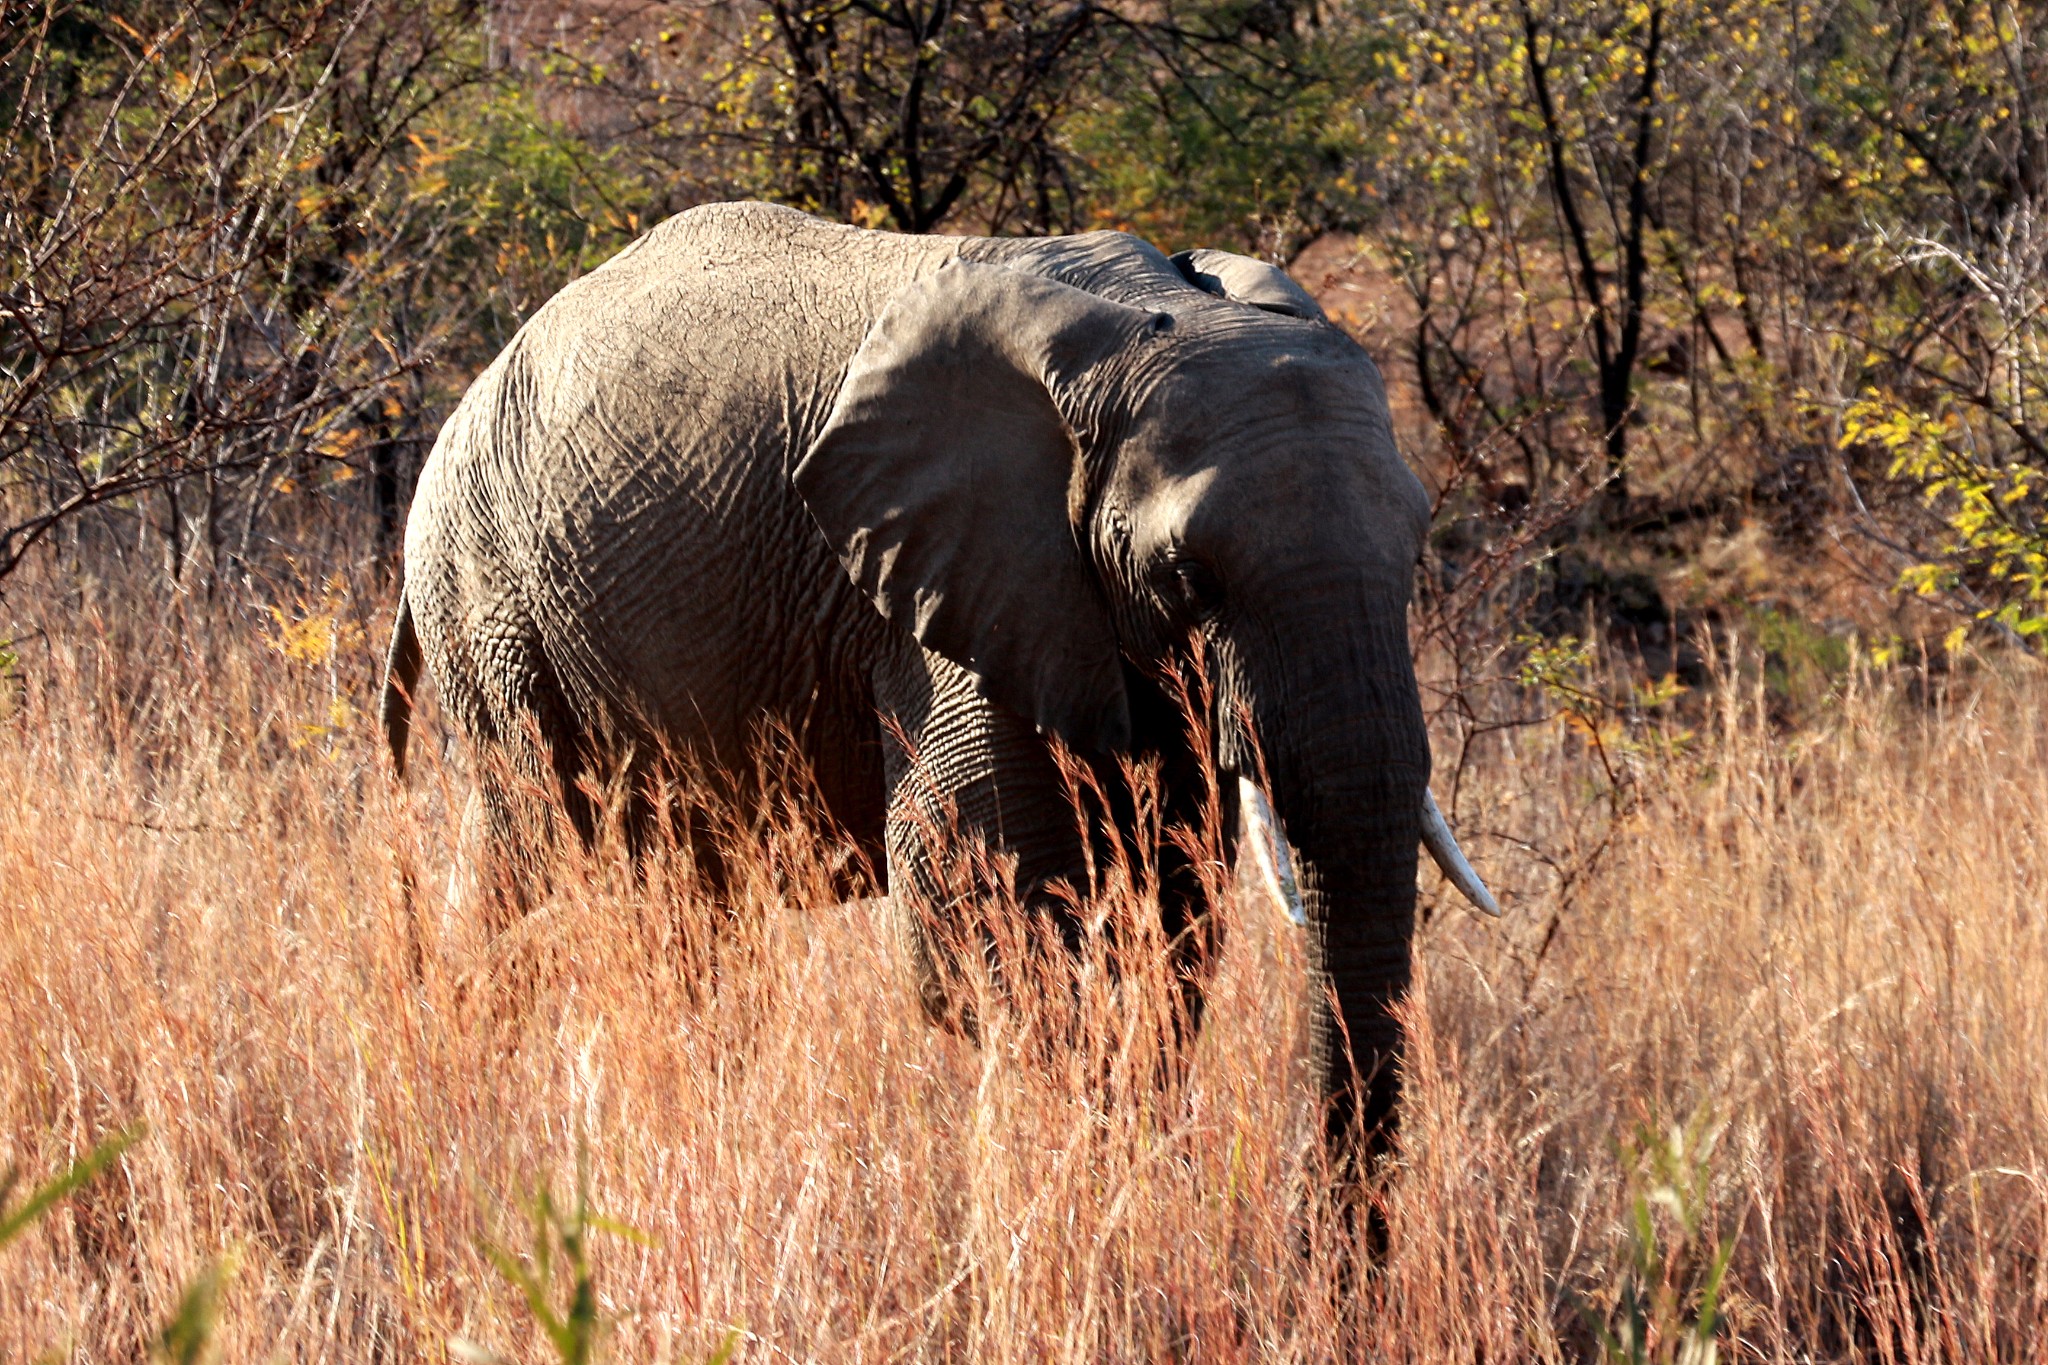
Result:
x=1443 y=846
x=1269 y=850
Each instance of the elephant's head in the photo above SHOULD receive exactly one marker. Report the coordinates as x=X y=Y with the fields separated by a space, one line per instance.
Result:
x=1044 y=485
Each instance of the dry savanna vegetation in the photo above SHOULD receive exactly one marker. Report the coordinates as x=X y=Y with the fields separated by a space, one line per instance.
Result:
x=1716 y=331
x=1763 y=1002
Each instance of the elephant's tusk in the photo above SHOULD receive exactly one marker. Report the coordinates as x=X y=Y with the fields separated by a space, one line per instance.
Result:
x=1443 y=846
x=1269 y=850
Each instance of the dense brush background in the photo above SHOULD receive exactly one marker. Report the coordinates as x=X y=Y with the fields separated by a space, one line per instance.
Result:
x=1716 y=333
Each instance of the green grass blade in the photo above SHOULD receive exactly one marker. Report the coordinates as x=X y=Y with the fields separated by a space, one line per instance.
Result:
x=185 y=1338
x=79 y=1173
x=531 y=1289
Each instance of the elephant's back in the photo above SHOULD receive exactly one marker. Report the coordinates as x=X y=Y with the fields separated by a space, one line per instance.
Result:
x=751 y=305
x=746 y=312
x=617 y=478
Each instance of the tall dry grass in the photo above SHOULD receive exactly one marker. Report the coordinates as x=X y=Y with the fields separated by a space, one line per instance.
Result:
x=1820 y=956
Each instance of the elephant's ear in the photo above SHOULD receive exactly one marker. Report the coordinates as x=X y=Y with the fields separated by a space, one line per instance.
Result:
x=1246 y=280
x=943 y=480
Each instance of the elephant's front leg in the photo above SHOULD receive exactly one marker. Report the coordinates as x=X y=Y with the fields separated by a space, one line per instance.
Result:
x=979 y=816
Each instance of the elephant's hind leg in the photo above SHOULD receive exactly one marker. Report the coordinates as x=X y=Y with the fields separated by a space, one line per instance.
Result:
x=529 y=778
x=488 y=878
x=532 y=755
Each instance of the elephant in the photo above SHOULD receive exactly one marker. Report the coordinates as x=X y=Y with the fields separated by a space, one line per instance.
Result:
x=934 y=506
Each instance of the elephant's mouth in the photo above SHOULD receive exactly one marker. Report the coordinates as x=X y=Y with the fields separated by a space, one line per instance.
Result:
x=1265 y=839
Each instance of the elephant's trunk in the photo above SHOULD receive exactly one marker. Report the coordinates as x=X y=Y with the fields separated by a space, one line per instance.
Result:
x=1361 y=908
x=1340 y=729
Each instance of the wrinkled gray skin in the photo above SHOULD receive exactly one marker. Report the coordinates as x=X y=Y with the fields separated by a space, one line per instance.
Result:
x=763 y=467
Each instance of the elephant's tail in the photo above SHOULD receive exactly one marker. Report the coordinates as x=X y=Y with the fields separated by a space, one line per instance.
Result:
x=401 y=674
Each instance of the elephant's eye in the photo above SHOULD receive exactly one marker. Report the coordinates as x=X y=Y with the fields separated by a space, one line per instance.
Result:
x=1191 y=587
